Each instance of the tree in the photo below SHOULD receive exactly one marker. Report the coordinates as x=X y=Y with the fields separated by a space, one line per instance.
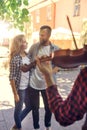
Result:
x=15 y=12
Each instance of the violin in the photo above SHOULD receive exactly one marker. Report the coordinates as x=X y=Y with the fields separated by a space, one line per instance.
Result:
x=64 y=58
x=70 y=58
x=67 y=58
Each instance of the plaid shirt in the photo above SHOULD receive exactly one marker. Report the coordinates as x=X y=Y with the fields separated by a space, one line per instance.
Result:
x=75 y=106
x=15 y=72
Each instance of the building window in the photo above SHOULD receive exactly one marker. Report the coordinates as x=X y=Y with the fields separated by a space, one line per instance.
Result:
x=37 y=13
x=49 y=12
x=76 y=8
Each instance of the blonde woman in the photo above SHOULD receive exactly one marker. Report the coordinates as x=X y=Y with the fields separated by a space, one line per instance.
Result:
x=19 y=80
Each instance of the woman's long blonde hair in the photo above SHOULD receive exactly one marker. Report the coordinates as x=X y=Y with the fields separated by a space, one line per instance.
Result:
x=15 y=47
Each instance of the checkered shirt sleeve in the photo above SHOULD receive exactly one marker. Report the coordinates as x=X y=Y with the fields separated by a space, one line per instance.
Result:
x=12 y=74
x=15 y=72
x=75 y=106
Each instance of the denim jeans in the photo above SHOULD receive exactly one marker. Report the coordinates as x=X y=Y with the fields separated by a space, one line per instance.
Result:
x=19 y=112
x=34 y=99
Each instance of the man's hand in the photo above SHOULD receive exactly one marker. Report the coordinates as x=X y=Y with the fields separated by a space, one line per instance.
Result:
x=55 y=69
x=46 y=69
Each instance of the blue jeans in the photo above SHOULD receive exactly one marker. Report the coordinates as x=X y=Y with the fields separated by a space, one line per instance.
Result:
x=20 y=114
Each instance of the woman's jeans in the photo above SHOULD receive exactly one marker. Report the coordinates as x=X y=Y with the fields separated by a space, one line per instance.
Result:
x=19 y=112
x=34 y=99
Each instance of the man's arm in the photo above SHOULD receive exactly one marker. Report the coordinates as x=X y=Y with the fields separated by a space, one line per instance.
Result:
x=74 y=107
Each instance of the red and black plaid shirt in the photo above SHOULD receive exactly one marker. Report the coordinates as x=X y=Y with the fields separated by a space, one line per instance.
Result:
x=75 y=106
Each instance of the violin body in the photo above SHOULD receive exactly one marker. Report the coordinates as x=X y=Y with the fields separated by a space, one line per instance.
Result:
x=70 y=58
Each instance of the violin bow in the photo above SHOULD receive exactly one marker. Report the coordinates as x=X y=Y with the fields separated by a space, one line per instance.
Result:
x=72 y=32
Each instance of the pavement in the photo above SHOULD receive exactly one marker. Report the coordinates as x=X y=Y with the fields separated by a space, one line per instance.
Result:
x=65 y=80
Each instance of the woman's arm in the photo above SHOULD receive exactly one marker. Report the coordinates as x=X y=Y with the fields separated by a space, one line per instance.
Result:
x=13 y=86
x=12 y=75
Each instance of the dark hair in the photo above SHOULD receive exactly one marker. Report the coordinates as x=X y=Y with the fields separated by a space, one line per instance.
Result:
x=46 y=27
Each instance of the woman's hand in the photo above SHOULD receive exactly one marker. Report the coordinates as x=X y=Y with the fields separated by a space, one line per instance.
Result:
x=24 y=68
x=16 y=97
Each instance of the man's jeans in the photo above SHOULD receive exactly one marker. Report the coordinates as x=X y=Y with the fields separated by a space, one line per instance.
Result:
x=34 y=99
x=20 y=114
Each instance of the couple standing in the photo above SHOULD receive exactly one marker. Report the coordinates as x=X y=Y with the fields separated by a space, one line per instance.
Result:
x=26 y=86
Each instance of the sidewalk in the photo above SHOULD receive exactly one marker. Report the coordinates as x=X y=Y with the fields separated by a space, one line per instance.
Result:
x=6 y=121
x=65 y=81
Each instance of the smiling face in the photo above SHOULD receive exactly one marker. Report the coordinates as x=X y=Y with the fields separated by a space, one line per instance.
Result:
x=44 y=36
x=24 y=44
x=18 y=45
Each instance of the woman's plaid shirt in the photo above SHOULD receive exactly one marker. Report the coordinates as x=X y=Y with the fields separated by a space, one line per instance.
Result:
x=75 y=106
x=15 y=72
